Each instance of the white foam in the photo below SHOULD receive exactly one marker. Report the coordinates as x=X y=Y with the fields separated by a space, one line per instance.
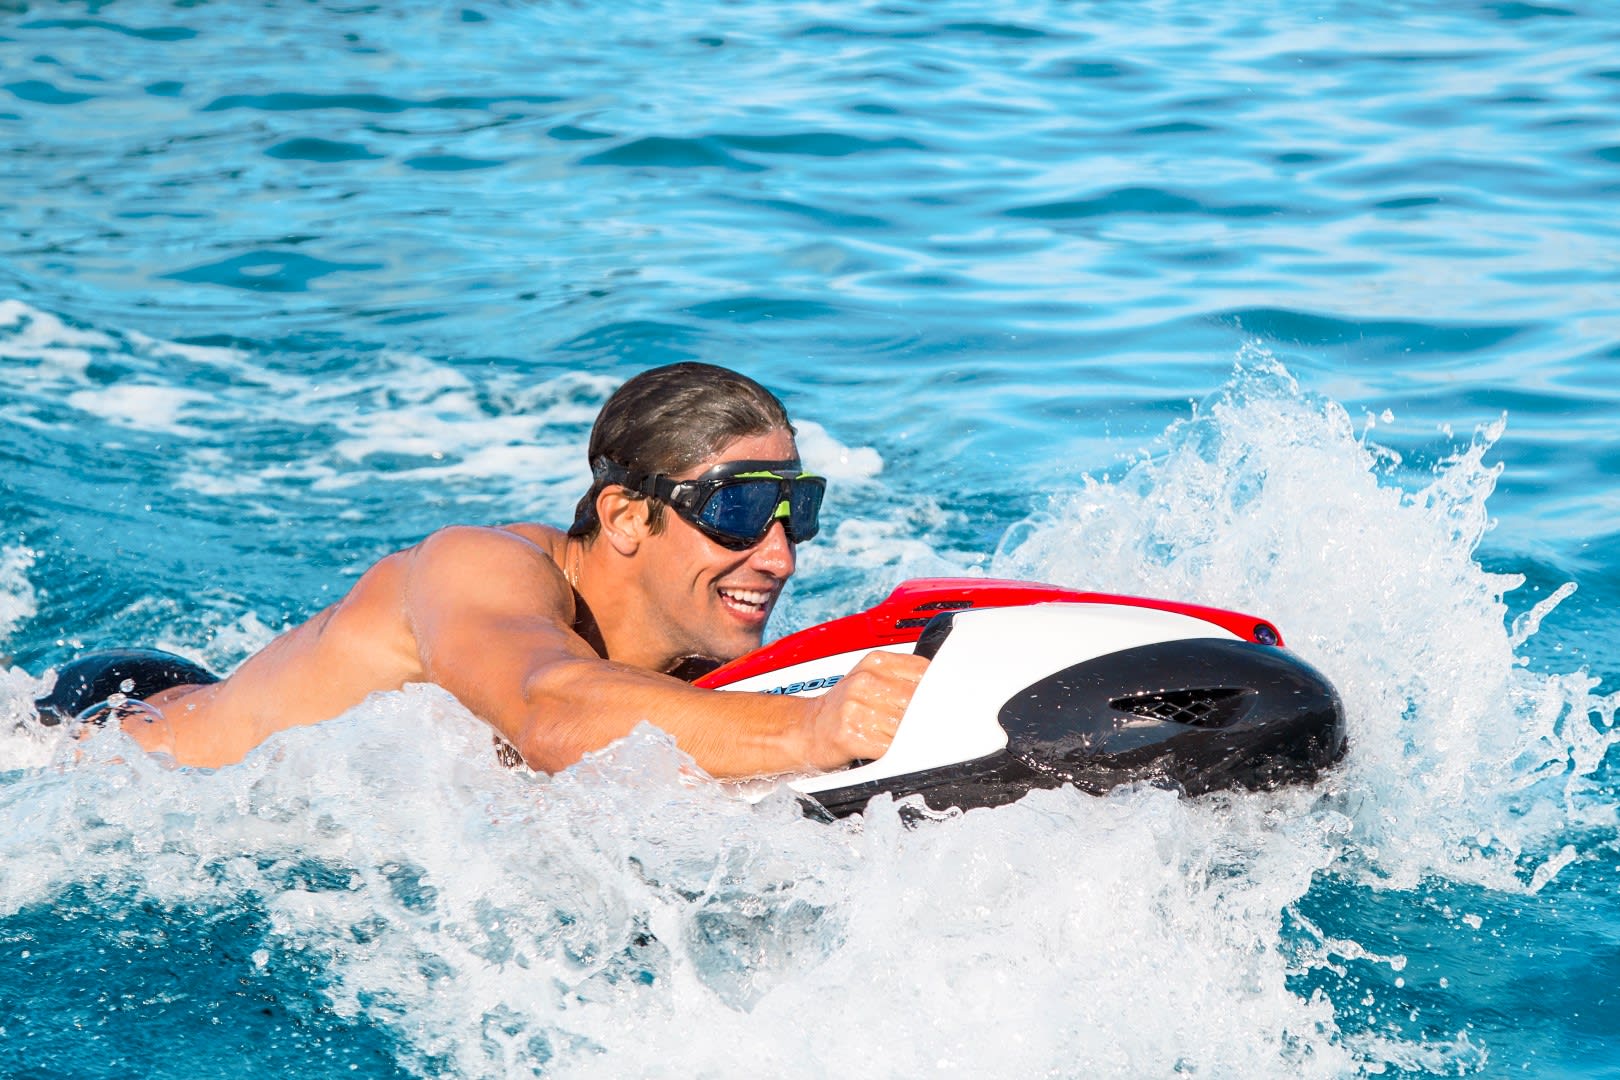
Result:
x=18 y=601
x=825 y=455
x=627 y=917
x=24 y=745
x=400 y=417
x=230 y=641
x=142 y=406
x=504 y=439
x=1268 y=501
x=37 y=345
x=209 y=356
x=895 y=545
x=209 y=472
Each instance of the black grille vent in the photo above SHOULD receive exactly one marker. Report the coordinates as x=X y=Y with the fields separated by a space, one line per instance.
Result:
x=1206 y=707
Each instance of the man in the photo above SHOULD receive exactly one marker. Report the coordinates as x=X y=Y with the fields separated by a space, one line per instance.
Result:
x=563 y=642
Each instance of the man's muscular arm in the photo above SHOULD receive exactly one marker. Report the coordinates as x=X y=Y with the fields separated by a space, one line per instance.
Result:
x=492 y=617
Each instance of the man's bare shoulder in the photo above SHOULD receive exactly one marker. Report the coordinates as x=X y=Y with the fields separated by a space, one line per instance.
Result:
x=552 y=541
x=519 y=563
x=538 y=545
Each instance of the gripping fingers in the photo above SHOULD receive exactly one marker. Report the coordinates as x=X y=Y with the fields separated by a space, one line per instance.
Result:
x=871 y=699
x=894 y=678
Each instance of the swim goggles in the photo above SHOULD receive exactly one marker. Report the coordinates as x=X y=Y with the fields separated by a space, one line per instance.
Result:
x=735 y=503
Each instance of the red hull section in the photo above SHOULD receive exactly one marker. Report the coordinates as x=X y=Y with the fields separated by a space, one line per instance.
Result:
x=899 y=619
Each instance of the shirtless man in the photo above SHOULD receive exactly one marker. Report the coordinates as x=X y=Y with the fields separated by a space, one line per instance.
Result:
x=564 y=642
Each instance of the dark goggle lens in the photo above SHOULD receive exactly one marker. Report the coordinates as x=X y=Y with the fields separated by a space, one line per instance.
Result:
x=742 y=508
x=742 y=511
x=804 y=507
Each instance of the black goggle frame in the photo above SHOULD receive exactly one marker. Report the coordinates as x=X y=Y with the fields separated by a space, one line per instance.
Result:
x=795 y=499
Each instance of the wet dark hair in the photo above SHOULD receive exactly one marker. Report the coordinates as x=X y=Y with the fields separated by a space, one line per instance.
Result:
x=669 y=419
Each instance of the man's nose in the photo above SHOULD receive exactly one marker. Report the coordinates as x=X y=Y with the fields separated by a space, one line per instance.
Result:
x=774 y=554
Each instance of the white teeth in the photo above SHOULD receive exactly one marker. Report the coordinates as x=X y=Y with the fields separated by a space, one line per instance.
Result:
x=745 y=596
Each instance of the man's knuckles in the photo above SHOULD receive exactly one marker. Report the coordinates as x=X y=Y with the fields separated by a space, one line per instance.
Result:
x=890 y=667
x=906 y=666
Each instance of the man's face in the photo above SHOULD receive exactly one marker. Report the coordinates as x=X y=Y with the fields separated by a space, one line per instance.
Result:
x=704 y=599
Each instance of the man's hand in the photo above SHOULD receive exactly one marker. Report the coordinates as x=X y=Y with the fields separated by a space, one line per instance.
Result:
x=857 y=718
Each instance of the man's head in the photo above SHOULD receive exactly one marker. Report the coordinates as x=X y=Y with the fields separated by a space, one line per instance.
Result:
x=716 y=448
x=668 y=419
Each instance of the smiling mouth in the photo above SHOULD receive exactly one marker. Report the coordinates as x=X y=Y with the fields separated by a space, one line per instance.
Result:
x=751 y=602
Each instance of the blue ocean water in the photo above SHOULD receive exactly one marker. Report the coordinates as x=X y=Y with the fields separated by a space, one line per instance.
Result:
x=1310 y=309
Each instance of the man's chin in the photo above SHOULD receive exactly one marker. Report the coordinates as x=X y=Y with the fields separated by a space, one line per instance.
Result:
x=740 y=642
x=739 y=647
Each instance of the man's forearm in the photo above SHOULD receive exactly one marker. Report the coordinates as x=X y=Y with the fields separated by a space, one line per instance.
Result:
x=576 y=706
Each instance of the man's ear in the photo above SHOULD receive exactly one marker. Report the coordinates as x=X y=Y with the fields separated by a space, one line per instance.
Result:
x=623 y=518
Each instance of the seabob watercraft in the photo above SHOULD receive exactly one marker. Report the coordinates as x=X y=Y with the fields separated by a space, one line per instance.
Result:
x=1036 y=686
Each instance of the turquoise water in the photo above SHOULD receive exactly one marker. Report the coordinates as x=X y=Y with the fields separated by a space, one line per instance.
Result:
x=1311 y=309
